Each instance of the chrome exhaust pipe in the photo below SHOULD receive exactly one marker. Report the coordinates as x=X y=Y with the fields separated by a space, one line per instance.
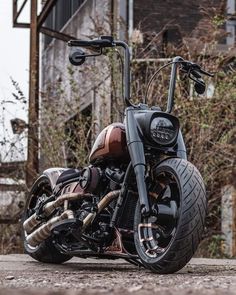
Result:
x=44 y=231
x=30 y=223
x=105 y=201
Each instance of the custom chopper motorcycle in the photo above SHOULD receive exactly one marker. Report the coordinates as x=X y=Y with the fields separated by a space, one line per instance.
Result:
x=138 y=198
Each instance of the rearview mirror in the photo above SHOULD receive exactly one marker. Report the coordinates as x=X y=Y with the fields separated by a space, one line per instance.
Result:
x=200 y=86
x=77 y=56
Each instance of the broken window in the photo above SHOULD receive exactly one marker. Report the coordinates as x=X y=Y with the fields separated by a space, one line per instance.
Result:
x=60 y=14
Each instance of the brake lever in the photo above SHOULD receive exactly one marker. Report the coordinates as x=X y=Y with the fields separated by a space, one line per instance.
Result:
x=200 y=70
x=206 y=73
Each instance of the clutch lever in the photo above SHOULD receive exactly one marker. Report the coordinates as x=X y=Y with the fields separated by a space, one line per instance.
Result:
x=197 y=68
x=206 y=73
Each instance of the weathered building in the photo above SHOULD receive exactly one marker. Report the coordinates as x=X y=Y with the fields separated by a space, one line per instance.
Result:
x=87 y=90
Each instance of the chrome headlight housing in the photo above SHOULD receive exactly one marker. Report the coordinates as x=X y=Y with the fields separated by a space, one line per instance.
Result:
x=163 y=129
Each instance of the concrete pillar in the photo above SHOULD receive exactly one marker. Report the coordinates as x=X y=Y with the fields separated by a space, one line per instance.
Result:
x=228 y=220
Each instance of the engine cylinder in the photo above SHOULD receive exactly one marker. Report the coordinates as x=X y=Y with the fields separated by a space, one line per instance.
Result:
x=90 y=179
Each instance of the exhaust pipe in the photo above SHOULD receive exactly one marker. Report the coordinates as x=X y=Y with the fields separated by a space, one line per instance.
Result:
x=44 y=231
x=105 y=201
x=33 y=220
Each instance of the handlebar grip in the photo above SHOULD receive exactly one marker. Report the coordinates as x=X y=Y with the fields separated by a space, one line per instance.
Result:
x=77 y=43
x=97 y=43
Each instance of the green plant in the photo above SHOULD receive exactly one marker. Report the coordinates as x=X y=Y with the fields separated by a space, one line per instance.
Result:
x=215 y=246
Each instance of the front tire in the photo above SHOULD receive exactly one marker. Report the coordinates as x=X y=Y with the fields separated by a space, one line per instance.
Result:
x=166 y=245
x=45 y=251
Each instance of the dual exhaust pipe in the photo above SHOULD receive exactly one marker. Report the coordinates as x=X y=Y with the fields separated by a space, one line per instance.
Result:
x=35 y=237
x=48 y=209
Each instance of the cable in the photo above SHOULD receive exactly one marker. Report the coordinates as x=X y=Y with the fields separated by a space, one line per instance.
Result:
x=153 y=76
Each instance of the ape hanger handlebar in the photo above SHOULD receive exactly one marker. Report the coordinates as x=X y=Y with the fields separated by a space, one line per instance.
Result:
x=106 y=42
x=77 y=57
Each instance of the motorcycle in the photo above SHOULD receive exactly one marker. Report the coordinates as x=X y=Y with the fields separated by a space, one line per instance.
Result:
x=139 y=198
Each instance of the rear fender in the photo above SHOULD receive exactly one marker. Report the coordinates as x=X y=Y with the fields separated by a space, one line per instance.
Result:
x=53 y=174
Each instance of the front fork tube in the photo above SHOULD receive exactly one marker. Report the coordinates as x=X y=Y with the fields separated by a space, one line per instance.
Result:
x=136 y=151
x=140 y=173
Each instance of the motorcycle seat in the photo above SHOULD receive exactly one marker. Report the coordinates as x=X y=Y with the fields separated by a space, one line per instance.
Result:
x=68 y=174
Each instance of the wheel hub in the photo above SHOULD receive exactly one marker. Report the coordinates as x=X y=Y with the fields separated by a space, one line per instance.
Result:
x=156 y=231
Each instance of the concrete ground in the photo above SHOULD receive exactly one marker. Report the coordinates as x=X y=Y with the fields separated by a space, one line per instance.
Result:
x=21 y=275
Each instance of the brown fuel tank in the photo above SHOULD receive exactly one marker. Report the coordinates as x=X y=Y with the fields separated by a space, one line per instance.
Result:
x=110 y=144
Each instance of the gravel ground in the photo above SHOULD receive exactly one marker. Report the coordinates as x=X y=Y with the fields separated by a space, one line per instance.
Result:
x=20 y=275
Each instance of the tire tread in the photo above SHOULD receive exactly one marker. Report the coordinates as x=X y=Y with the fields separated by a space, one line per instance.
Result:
x=193 y=211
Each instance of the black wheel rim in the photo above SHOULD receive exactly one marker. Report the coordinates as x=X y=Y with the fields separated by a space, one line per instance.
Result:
x=156 y=233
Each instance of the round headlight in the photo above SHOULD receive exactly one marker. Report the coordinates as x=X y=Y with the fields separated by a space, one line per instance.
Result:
x=163 y=131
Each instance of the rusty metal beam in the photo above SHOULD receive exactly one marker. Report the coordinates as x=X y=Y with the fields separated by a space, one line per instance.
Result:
x=14 y=11
x=18 y=12
x=45 y=12
x=32 y=165
x=47 y=8
x=36 y=26
x=21 y=25
x=56 y=34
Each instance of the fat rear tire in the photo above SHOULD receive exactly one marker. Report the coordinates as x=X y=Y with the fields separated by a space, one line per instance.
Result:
x=46 y=251
x=192 y=209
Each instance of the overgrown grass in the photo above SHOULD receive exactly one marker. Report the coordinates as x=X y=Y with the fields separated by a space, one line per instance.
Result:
x=10 y=239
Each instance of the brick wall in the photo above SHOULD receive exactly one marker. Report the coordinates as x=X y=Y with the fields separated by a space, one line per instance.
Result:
x=154 y=15
x=178 y=19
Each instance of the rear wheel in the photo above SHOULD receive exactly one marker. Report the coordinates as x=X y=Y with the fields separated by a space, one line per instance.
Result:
x=167 y=241
x=45 y=251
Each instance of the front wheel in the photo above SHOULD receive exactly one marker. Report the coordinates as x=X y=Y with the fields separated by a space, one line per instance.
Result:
x=166 y=241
